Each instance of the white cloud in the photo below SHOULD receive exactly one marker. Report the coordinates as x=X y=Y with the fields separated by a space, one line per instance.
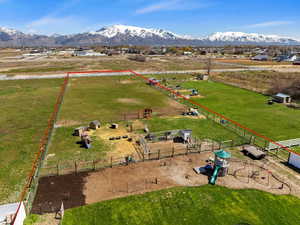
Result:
x=50 y=25
x=171 y=5
x=269 y=24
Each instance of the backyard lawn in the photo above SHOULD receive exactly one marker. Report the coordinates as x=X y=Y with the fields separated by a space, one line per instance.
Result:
x=26 y=106
x=190 y=206
x=250 y=109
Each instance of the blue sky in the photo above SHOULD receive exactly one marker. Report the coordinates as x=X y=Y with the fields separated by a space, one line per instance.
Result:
x=192 y=17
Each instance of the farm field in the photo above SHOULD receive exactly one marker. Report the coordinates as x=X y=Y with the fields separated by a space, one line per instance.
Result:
x=109 y=98
x=26 y=106
x=259 y=81
x=105 y=99
x=248 y=62
x=63 y=64
x=88 y=99
x=188 y=205
x=250 y=109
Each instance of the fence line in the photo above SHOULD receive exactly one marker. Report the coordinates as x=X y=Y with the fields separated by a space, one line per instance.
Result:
x=255 y=137
x=56 y=168
x=29 y=190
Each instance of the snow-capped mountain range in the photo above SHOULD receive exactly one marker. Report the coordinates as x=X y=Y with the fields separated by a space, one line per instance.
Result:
x=132 y=35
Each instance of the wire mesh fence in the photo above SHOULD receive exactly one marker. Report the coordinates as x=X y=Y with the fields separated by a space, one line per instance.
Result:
x=30 y=188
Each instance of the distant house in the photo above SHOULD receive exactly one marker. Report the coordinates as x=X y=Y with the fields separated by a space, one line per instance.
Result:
x=87 y=53
x=296 y=61
x=187 y=53
x=139 y=58
x=260 y=58
x=282 y=98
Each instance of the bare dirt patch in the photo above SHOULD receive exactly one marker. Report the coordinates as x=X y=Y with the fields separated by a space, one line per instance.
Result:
x=137 y=178
x=128 y=100
x=119 y=148
x=67 y=123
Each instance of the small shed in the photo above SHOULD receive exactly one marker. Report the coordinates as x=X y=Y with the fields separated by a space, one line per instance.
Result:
x=202 y=77
x=114 y=126
x=95 y=125
x=254 y=152
x=79 y=131
x=186 y=135
x=282 y=98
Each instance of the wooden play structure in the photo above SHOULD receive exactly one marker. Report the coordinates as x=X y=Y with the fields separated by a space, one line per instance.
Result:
x=148 y=113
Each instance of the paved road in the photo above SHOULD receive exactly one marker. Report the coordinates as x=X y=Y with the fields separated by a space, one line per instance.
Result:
x=50 y=76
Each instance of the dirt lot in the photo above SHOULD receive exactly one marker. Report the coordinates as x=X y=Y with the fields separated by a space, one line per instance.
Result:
x=86 y=188
x=120 y=148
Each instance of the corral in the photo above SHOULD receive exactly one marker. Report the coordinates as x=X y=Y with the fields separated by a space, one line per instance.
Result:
x=136 y=178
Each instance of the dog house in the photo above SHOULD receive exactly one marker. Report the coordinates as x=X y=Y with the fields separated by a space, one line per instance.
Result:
x=79 y=131
x=95 y=125
x=282 y=98
x=186 y=135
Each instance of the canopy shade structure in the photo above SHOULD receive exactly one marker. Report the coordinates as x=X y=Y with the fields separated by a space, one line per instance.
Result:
x=222 y=154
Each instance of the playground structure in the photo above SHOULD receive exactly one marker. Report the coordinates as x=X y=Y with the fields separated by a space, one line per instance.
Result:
x=221 y=165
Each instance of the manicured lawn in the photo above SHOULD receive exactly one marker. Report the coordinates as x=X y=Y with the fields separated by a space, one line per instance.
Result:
x=26 y=106
x=250 y=109
x=202 y=128
x=191 y=206
x=108 y=98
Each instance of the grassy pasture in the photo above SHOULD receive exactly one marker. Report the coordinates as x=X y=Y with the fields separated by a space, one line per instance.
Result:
x=104 y=99
x=108 y=98
x=63 y=64
x=26 y=106
x=190 y=206
x=250 y=109
x=202 y=128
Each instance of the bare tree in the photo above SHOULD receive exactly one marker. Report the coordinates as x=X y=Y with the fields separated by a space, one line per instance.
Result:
x=209 y=65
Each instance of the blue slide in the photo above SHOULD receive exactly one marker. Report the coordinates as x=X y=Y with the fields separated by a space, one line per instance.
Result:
x=215 y=175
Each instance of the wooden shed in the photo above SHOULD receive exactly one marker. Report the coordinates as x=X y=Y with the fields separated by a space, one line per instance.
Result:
x=79 y=131
x=95 y=125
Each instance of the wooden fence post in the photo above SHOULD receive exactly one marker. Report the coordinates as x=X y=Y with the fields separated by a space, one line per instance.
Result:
x=57 y=167
x=75 y=164
x=94 y=166
x=173 y=150
x=187 y=150
x=158 y=154
x=111 y=162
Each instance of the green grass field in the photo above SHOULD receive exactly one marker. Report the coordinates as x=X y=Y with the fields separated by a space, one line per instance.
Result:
x=64 y=147
x=202 y=128
x=26 y=106
x=250 y=109
x=100 y=98
x=191 y=206
x=108 y=98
